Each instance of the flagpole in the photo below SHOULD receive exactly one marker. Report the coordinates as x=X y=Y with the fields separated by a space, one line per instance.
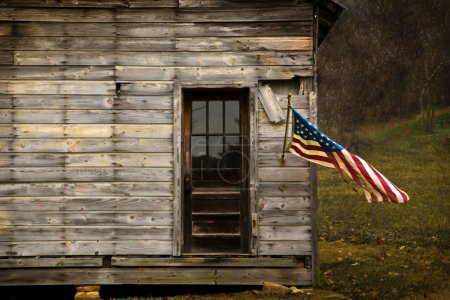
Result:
x=287 y=126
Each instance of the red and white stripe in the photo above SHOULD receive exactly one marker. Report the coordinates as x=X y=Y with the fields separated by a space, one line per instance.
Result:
x=376 y=187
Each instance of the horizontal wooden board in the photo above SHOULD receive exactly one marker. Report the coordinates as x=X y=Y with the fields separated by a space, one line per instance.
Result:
x=207 y=74
x=87 y=43
x=85 y=233
x=297 y=101
x=285 y=203
x=47 y=116
x=41 y=87
x=147 y=88
x=284 y=189
x=285 y=233
x=71 y=248
x=284 y=217
x=90 y=3
x=64 y=174
x=86 y=189
x=160 y=15
x=87 y=131
x=240 y=4
x=285 y=248
x=85 y=102
x=151 y=30
x=79 y=204
x=273 y=130
x=244 y=44
x=274 y=159
x=104 y=218
x=51 y=262
x=19 y=145
x=240 y=262
x=283 y=174
x=254 y=29
x=174 y=276
x=54 y=73
x=164 y=59
x=6 y=58
x=264 y=119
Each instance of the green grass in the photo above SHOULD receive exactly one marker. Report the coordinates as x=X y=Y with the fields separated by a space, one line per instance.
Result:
x=395 y=250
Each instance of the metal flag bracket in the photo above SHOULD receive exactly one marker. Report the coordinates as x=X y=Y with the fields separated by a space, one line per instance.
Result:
x=289 y=97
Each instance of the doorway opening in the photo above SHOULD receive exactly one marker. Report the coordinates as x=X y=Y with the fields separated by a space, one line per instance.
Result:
x=215 y=160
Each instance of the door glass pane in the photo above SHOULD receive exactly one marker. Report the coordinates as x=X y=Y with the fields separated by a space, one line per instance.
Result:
x=215 y=150
x=198 y=150
x=232 y=156
x=198 y=117
x=215 y=117
x=232 y=117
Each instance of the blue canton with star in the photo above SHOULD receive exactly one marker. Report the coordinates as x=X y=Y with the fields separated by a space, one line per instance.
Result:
x=308 y=131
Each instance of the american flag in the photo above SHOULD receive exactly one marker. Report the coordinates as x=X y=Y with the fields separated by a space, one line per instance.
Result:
x=311 y=144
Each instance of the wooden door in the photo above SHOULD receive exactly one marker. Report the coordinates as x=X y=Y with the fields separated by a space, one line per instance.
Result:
x=216 y=205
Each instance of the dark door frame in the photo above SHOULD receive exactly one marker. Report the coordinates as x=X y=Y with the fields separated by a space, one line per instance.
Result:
x=188 y=95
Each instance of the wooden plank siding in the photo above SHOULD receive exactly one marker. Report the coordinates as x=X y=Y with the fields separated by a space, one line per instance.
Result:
x=89 y=132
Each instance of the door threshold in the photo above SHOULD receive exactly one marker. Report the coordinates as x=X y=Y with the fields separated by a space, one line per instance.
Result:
x=225 y=254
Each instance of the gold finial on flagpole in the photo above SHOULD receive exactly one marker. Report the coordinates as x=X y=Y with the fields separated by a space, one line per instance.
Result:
x=289 y=97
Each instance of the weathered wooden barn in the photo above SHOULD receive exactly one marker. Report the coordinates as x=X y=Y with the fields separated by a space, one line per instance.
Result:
x=134 y=147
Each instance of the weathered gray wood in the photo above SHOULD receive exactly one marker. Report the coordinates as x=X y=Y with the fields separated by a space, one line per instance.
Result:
x=258 y=262
x=285 y=203
x=177 y=166
x=283 y=174
x=266 y=29
x=274 y=159
x=161 y=15
x=253 y=172
x=264 y=119
x=93 y=189
x=105 y=218
x=86 y=145
x=284 y=189
x=78 y=204
x=284 y=217
x=270 y=103
x=285 y=248
x=50 y=262
x=56 y=72
x=147 y=88
x=6 y=58
x=120 y=160
x=297 y=101
x=285 y=233
x=90 y=3
x=86 y=43
x=258 y=14
x=112 y=232
x=36 y=160
x=210 y=276
x=21 y=116
x=273 y=130
x=230 y=3
x=147 y=30
x=244 y=44
x=87 y=131
x=45 y=174
x=6 y=28
x=165 y=59
x=207 y=74
x=57 y=87
x=70 y=248
x=85 y=102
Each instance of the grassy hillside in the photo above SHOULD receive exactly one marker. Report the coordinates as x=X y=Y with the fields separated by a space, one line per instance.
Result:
x=390 y=250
